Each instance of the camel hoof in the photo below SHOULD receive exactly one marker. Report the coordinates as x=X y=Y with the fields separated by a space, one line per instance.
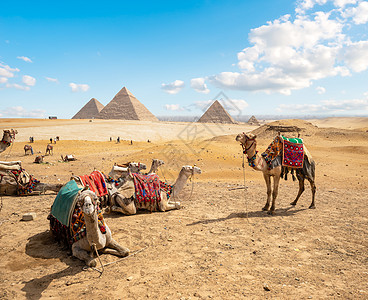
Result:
x=271 y=212
x=92 y=263
x=107 y=210
x=125 y=252
x=265 y=208
x=293 y=203
x=312 y=207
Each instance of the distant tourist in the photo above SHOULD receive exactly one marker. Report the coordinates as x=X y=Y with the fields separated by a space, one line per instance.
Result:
x=110 y=139
x=50 y=140
x=131 y=142
x=118 y=139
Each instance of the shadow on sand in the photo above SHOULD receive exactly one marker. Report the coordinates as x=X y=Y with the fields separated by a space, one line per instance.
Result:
x=282 y=212
x=42 y=245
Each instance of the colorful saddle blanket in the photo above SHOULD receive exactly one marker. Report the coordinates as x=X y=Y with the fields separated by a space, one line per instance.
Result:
x=67 y=219
x=293 y=153
x=291 y=150
x=96 y=182
x=147 y=188
x=78 y=225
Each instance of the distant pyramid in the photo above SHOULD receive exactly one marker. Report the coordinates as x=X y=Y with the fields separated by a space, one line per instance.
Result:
x=216 y=114
x=125 y=106
x=253 y=121
x=90 y=110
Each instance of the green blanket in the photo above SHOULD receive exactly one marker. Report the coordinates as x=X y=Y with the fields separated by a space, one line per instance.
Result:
x=65 y=202
x=293 y=140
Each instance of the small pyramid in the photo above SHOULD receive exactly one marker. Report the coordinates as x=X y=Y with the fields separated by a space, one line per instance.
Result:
x=125 y=106
x=253 y=121
x=90 y=110
x=216 y=114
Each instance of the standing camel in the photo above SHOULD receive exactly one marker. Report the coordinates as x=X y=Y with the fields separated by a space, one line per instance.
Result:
x=28 y=148
x=50 y=149
x=258 y=163
x=8 y=139
x=123 y=200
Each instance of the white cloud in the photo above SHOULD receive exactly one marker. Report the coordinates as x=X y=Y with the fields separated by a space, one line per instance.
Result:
x=327 y=106
x=49 y=79
x=359 y=14
x=3 y=79
x=320 y=90
x=29 y=80
x=20 y=112
x=174 y=107
x=292 y=52
x=26 y=59
x=79 y=87
x=6 y=71
x=199 y=85
x=17 y=86
x=173 y=87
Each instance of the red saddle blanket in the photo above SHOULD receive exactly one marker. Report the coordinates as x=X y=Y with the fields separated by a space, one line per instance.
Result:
x=147 y=188
x=96 y=182
x=293 y=154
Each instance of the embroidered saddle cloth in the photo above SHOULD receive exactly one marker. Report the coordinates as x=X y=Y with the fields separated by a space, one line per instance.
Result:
x=290 y=149
x=147 y=188
x=293 y=153
x=96 y=182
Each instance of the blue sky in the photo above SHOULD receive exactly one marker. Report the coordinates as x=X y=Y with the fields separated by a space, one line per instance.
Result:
x=308 y=57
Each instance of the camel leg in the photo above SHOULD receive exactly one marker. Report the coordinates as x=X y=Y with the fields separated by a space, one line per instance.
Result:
x=313 y=187
x=165 y=206
x=276 y=181
x=83 y=255
x=267 y=179
x=121 y=251
x=301 y=189
x=129 y=209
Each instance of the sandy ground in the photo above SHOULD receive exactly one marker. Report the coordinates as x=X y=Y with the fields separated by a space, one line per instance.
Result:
x=220 y=245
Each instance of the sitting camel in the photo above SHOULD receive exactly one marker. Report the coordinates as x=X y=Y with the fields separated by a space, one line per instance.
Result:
x=86 y=228
x=123 y=199
x=156 y=163
x=120 y=171
x=16 y=181
x=67 y=158
x=49 y=149
x=28 y=148
x=8 y=139
x=39 y=159
x=258 y=163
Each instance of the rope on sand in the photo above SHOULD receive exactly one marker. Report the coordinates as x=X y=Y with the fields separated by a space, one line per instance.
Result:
x=113 y=262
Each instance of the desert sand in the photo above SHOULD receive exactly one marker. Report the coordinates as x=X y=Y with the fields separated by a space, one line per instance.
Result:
x=220 y=245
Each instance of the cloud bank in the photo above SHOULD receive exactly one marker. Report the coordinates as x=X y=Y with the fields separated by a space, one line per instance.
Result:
x=173 y=87
x=291 y=52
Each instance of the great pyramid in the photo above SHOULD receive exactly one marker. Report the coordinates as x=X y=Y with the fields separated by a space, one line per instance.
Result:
x=253 y=121
x=125 y=106
x=216 y=114
x=90 y=110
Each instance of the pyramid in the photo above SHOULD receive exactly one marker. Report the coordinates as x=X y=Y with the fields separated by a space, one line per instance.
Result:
x=253 y=121
x=90 y=110
x=125 y=106
x=216 y=114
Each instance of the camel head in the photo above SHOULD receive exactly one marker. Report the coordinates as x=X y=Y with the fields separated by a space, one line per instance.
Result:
x=88 y=201
x=135 y=167
x=9 y=135
x=191 y=170
x=158 y=162
x=243 y=138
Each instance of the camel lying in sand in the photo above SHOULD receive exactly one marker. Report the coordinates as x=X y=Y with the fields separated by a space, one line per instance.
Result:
x=17 y=181
x=123 y=197
x=8 y=139
x=258 y=163
x=93 y=233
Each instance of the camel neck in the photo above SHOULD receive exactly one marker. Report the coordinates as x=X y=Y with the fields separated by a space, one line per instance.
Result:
x=254 y=160
x=92 y=229
x=179 y=183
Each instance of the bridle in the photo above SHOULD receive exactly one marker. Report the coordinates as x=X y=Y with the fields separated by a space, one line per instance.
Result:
x=245 y=149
